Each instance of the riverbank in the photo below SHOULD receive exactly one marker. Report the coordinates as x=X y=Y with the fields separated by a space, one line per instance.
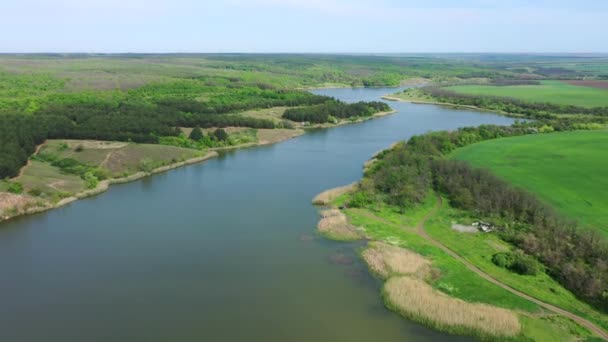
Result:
x=401 y=97
x=452 y=105
x=14 y=205
x=348 y=122
x=442 y=293
x=101 y=187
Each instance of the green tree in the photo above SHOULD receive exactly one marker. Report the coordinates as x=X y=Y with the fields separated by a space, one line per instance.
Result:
x=196 y=134
x=220 y=134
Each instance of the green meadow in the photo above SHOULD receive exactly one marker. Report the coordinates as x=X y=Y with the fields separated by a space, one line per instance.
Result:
x=567 y=170
x=385 y=223
x=556 y=92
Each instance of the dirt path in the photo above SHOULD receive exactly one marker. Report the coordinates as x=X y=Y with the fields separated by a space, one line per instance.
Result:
x=106 y=159
x=582 y=321
x=28 y=161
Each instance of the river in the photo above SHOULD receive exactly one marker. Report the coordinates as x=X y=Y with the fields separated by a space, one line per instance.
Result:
x=219 y=251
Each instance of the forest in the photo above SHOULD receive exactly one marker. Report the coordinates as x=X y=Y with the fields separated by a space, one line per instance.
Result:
x=405 y=176
x=330 y=111
x=147 y=114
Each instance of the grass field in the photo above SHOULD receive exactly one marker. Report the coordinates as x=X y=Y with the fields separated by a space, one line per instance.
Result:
x=567 y=170
x=478 y=249
x=452 y=278
x=118 y=158
x=549 y=91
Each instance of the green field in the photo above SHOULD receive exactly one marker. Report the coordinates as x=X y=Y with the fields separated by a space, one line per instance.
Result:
x=549 y=91
x=567 y=170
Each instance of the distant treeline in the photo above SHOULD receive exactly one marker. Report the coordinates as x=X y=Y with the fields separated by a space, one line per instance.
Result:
x=404 y=175
x=510 y=105
x=511 y=82
x=324 y=112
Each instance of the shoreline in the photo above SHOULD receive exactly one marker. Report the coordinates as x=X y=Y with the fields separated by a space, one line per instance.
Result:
x=348 y=122
x=454 y=105
x=104 y=185
x=335 y=224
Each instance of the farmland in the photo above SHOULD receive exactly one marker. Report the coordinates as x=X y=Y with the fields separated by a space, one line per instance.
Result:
x=566 y=170
x=556 y=92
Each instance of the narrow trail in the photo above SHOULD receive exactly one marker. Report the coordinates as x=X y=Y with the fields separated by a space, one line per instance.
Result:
x=582 y=321
x=29 y=161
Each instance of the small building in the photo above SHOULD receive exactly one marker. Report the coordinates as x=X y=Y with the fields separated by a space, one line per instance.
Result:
x=484 y=226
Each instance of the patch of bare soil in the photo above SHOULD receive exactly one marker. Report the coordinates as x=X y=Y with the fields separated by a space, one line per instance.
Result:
x=590 y=83
x=464 y=228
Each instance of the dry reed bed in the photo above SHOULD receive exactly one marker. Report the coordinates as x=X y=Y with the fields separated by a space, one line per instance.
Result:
x=407 y=293
x=334 y=224
x=417 y=300
x=386 y=260
x=326 y=197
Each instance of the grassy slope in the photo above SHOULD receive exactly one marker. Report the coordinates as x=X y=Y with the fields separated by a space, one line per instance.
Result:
x=549 y=91
x=385 y=224
x=116 y=158
x=479 y=248
x=565 y=169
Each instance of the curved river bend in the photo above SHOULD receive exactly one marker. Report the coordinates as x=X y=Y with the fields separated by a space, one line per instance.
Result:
x=220 y=251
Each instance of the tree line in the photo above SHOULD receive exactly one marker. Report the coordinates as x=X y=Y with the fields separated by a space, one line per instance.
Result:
x=510 y=105
x=404 y=175
x=334 y=109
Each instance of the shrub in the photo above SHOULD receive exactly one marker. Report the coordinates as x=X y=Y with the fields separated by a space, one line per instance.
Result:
x=517 y=262
x=35 y=192
x=504 y=260
x=79 y=148
x=15 y=188
x=90 y=180
x=525 y=264
x=359 y=200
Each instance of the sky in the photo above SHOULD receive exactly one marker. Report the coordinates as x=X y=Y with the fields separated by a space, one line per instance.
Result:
x=306 y=26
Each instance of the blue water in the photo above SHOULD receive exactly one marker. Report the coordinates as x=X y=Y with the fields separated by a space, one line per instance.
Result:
x=220 y=251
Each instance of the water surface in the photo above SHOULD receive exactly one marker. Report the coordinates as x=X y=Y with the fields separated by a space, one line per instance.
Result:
x=219 y=251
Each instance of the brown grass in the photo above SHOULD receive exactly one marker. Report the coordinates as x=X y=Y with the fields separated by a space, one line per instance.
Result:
x=416 y=299
x=334 y=225
x=590 y=83
x=326 y=197
x=271 y=136
x=9 y=201
x=387 y=260
x=275 y=113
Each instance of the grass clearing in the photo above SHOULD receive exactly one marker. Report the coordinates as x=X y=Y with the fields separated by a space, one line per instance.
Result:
x=275 y=114
x=119 y=158
x=557 y=92
x=479 y=248
x=567 y=170
x=49 y=179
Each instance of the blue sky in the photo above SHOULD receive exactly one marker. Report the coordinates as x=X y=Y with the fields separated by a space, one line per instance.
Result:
x=367 y=26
